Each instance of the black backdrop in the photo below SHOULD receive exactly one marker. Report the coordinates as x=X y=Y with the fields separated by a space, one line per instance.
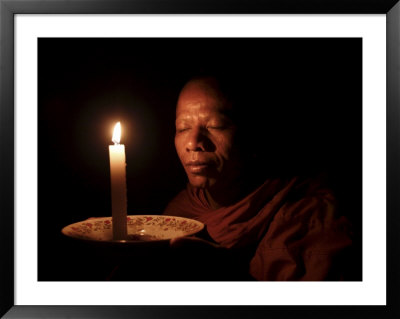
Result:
x=308 y=112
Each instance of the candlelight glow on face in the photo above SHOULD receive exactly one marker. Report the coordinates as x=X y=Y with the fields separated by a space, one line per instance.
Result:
x=116 y=138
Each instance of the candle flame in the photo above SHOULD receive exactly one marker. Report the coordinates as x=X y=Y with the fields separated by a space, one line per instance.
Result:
x=117 y=133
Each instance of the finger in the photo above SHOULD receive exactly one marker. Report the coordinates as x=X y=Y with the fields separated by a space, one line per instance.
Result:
x=180 y=241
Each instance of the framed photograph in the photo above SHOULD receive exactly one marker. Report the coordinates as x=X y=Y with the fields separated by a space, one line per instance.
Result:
x=307 y=92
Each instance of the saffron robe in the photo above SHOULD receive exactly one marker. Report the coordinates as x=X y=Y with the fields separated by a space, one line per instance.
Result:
x=289 y=226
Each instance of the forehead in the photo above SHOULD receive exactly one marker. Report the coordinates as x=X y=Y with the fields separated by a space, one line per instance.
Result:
x=202 y=96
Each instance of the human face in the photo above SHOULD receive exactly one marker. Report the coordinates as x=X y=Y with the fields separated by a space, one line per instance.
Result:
x=205 y=135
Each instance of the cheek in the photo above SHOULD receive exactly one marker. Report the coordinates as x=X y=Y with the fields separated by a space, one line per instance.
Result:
x=179 y=147
x=225 y=145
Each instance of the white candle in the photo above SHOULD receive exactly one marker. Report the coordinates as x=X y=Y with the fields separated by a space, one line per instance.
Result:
x=118 y=185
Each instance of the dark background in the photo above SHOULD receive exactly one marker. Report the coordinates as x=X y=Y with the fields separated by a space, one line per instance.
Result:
x=306 y=102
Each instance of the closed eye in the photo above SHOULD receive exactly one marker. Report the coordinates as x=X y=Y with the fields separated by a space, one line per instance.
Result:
x=219 y=128
x=180 y=130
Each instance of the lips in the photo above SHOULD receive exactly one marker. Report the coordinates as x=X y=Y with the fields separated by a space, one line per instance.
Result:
x=198 y=167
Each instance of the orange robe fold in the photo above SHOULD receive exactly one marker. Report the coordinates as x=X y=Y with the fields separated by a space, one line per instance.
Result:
x=291 y=226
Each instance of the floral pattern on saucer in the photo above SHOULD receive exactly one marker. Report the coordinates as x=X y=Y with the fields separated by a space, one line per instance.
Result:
x=140 y=228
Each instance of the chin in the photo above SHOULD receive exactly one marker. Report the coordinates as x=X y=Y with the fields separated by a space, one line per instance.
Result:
x=200 y=181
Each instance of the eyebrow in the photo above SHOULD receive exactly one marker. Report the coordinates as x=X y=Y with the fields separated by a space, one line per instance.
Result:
x=225 y=115
x=225 y=121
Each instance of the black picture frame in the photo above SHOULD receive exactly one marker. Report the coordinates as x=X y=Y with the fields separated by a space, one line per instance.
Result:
x=8 y=10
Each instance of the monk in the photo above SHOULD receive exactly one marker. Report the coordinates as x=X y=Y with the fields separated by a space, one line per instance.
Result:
x=257 y=228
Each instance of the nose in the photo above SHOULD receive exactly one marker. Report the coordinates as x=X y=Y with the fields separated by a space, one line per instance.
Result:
x=196 y=140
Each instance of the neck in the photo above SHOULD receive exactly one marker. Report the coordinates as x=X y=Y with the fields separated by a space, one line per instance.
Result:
x=230 y=193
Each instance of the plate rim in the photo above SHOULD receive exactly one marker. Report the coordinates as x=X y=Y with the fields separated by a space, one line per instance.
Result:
x=130 y=242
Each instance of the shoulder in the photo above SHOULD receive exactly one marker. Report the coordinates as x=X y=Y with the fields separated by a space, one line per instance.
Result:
x=309 y=197
x=317 y=185
x=307 y=234
x=308 y=216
